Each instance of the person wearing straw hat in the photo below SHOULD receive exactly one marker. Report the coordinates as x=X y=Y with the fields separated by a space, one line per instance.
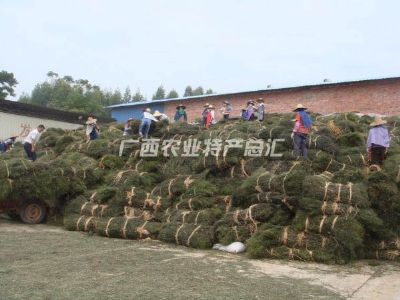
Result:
x=205 y=114
x=226 y=110
x=92 y=129
x=180 y=114
x=160 y=116
x=8 y=143
x=301 y=130
x=144 y=127
x=250 y=111
x=378 y=142
x=260 y=109
x=128 y=127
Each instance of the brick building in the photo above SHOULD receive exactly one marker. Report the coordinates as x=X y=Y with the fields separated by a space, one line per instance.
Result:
x=381 y=96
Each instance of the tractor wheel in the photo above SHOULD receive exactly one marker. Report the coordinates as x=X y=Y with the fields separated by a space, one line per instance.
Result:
x=33 y=212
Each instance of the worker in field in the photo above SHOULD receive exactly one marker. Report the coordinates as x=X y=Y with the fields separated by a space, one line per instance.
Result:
x=226 y=110
x=210 y=119
x=378 y=142
x=128 y=127
x=260 y=109
x=7 y=144
x=301 y=131
x=31 y=142
x=144 y=127
x=250 y=111
x=161 y=116
x=180 y=114
x=205 y=114
x=92 y=129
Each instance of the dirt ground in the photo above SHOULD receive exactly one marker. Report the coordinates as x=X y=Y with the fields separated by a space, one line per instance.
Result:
x=47 y=262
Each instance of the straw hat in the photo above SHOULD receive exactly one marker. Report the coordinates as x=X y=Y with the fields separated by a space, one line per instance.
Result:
x=181 y=105
x=226 y=102
x=156 y=113
x=207 y=105
x=260 y=100
x=378 y=121
x=91 y=120
x=130 y=119
x=211 y=107
x=300 y=106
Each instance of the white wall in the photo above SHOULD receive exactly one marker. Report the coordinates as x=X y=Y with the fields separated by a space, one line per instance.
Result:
x=11 y=124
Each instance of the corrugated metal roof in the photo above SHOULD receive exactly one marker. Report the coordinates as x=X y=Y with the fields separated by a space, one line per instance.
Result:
x=302 y=87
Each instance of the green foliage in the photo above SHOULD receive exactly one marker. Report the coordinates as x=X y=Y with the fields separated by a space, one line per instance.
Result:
x=160 y=93
x=7 y=84
x=172 y=94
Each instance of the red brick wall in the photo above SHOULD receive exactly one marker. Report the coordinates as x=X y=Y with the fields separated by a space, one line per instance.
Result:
x=380 y=96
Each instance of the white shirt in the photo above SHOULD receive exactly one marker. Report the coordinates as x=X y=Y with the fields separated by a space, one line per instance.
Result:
x=33 y=136
x=147 y=115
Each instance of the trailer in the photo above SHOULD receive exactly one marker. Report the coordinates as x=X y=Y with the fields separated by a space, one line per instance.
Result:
x=28 y=211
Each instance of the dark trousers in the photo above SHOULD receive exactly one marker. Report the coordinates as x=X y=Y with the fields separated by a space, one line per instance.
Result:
x=226 y=117
x=28 y=150
x=300 y=144
x=377 y=155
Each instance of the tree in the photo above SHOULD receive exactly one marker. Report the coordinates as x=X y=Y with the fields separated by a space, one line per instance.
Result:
x=198 y=91
x=52 y=74
x=127 y=95
x=137 y=96
x=172 y=94
x=160 y=93
x=7 y=84
x=209 y=92
x=188 y=91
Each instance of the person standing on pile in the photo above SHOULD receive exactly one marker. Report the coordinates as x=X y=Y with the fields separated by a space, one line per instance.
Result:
x=210 y=120
x=205 y=114
x=260 y=109
x=31 y=141
x=250 y=111
x=8 y=143
x=180 y=114
x=378 y=142
x=128 y=127
x=92 y=129
x=226 y=110
x=144 y=127
x=301 y=130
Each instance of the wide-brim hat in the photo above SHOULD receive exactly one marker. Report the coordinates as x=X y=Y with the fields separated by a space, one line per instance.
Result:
x=207 y=105
x=181 y=105
x=377 y=122
x=226 y=102
x=299 y=107
x=130 y=119
x=91 y=120
x=211 y=107
x=156 y=113
x=260 y=100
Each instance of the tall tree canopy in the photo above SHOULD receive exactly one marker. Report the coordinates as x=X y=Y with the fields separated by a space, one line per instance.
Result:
x=188 y=91
x=160 y=93
x=7 y=84
x=79 y=95
x=172 y=94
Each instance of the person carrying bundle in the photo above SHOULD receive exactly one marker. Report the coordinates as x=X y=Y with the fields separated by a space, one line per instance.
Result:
x=378 y=142
x=301 y=130
x=92 y=130
x=250 y=111
x=31 y=142
x=7 y=144
x=144 y=127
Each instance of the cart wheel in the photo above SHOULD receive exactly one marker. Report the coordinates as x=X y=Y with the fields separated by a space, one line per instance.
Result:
x=33 y=212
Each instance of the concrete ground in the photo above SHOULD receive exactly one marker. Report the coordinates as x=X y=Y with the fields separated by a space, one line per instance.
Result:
x=46 y=262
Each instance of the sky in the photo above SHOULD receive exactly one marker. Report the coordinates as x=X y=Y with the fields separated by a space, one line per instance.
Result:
x=226 y=45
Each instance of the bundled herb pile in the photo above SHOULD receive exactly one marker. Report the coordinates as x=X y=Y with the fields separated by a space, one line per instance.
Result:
x=331 y=208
